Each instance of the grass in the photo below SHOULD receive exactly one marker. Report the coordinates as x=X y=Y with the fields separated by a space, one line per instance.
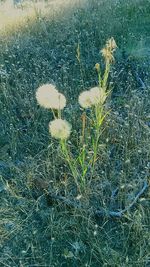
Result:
x=36 y=231
x=16 y=16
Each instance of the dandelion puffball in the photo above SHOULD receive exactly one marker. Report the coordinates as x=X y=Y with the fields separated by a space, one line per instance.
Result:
x=92 y=97
x=48 y=97
x=85 y=100
x=98 y=95
x=45 y=94
x=59 y=102
x=60 y=129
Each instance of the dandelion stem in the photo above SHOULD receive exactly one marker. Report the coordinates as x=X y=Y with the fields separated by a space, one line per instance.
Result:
x=54 y=113
x=69 y=161
x=83 y=126
x=59 y=113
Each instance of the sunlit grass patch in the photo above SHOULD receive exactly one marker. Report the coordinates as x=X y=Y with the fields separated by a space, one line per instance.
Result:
x=13 y=17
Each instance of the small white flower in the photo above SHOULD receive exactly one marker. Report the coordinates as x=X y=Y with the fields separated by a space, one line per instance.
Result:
x=60 y=129
x=48 y=97
x=85 y=99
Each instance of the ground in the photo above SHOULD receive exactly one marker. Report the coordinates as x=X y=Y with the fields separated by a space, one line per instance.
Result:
x=41 y=47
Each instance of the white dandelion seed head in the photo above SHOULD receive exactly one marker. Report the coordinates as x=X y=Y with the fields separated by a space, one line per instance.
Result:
x=98 y=95
x=92 y=97
x=85 y=100
x=60 y=129
x=48 y=97
x=45 y=94
x=59 y=101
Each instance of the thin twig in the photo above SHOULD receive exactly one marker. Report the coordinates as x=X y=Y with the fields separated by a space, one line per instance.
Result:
x=100 y=212
x=119 y=214
x=145 y=186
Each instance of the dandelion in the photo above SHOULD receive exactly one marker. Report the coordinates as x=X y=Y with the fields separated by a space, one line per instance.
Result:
x=98 y=95
x=60 y=129
x=59 y=102
x=85 y=100
x=45 y=95
x=92 y=97
x=48 y=97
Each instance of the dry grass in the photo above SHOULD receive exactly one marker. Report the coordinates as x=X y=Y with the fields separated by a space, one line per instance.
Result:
x=35 y=230
x=12 y=18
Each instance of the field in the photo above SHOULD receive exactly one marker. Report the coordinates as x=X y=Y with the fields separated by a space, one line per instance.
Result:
x=44 y=222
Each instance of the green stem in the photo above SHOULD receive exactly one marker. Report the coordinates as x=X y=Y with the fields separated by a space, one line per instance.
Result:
x=82 y=158
x=69 y=161
x=59 y=113
x=95 y=146
x=106 y=74
x=99 y=79
x=97 y=124
x=54 y=113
